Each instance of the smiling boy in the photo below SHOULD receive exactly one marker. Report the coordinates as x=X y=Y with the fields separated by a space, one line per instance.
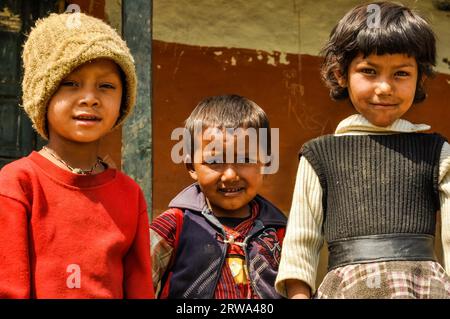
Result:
x=219 y=239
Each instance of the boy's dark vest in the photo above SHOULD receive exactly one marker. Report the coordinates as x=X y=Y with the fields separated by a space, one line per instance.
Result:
x=377 y=184
x=201 y=252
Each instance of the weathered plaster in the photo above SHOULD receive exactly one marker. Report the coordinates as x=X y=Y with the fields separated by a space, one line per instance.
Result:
x=294 y=26
x=254 y=24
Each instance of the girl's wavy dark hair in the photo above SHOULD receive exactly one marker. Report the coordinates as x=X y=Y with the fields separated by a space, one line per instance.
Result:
x=401 y=30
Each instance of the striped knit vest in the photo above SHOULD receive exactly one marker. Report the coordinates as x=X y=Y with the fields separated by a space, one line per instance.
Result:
x=377 y=184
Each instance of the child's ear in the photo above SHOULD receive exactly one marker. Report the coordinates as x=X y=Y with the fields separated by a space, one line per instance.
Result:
x=342 y=81
x=423 y=79
x=192 y=172
x=190 y=167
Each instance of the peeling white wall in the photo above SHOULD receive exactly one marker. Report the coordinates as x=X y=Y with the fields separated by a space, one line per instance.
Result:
x=290 y=26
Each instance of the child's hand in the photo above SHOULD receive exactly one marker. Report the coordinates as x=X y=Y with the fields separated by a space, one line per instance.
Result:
x=297 y=289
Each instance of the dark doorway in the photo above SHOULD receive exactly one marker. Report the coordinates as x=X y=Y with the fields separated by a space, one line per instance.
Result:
x=17 y=137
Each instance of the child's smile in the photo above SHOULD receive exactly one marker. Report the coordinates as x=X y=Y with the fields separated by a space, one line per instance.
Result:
x=229 y=187
x=86 y=119
x=231 y=191
x=382 y=87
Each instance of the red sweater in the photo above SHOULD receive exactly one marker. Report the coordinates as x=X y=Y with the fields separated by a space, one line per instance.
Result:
x=64 y=235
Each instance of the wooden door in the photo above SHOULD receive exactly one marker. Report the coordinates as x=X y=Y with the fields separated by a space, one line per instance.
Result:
x=17 y=138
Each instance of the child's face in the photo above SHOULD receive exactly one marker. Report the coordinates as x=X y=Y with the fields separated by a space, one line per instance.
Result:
x=229 y=187
x=87 y=103
x=382 y=87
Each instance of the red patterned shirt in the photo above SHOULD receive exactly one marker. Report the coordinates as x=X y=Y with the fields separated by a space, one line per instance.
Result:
x=234 y=282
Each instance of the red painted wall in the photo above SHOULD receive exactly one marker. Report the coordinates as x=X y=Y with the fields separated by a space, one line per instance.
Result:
x=292 y=95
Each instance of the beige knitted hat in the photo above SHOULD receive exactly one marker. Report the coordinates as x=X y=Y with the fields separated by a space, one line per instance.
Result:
x=56 y=46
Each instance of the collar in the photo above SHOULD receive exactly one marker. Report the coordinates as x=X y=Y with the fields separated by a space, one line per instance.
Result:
x=357 y=124
x=192 y=198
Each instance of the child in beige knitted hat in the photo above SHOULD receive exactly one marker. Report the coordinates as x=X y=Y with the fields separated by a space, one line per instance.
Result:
x=70 y=226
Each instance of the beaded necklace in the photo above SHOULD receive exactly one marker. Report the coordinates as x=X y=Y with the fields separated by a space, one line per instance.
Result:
x=75 y=170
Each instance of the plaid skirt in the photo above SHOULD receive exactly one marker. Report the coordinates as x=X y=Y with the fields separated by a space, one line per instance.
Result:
x=391 y=279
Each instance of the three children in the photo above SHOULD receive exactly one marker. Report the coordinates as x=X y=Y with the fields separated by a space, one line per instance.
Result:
x=371 y=190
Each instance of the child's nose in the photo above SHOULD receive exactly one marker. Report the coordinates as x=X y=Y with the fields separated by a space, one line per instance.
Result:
x=230 y=174
x=89 y=98
x=383 y=88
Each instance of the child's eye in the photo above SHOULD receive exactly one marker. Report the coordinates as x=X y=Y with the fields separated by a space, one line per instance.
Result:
x=368 y=71
x=107 y=86
x=69 y=83
x=402 y=73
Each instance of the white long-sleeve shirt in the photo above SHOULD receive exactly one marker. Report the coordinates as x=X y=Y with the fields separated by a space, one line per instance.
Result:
x=304 y=237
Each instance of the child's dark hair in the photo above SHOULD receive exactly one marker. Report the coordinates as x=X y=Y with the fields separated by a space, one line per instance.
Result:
x=226 y=111
x=400 y=31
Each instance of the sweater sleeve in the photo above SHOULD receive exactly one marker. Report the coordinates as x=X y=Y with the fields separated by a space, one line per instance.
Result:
x=14 y=257
x=304 y=238
x=162 y=234
x=137 y=264
x=444 y=196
